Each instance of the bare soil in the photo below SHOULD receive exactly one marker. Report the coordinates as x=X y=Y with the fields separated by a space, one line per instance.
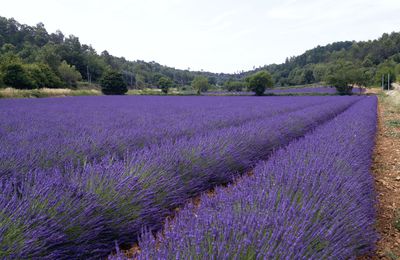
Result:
x=386 y=170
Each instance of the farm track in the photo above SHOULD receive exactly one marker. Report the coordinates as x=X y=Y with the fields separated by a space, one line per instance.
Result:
x=386 y=169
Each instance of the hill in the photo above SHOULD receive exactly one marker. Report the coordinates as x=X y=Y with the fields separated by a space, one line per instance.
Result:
x=30 y=57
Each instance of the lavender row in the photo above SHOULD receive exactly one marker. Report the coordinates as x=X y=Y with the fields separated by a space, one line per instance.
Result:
x=313 y=199
x=305 y=90
x=79 y=213
x=38 y=134
x=321 y=90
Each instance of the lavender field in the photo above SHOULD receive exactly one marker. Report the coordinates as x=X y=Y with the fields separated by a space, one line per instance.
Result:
x=323 y=90
x=78 y=174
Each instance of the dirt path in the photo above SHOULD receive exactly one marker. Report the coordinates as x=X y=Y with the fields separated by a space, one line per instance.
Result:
x=386 y=169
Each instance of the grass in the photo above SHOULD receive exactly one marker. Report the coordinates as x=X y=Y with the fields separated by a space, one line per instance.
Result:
x=391 y=102
x=397 y=220
x=390 y=255
x=46 y=92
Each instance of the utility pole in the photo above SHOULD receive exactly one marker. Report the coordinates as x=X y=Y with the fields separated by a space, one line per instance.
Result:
x=388 y=81
x=383 y=81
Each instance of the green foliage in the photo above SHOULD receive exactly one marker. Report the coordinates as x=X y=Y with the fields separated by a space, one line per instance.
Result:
x=48 y=55
x=41 y=75
x=69 y=74
x=200 y=84
x=113 y=84
x=165 y=83
x=140 y=81
x=345 y=75
x=231 y=85
x=34 y=45
x=14 y=75
x=387 y=72
x=308 y=76
x=259 y=82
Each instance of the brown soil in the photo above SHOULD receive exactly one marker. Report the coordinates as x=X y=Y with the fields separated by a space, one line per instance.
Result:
x=386 y=170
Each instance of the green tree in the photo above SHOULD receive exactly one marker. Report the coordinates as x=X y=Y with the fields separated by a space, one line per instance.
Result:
x=48 y=55
x=319 y=72
x=259 y=82
x=113 y=84
x=14 y=75
x=343 y=75
x=231 y=85
x=387 y=73
x=41 y=75
x=200 y=84
x=342 y=80
x=165 y=83
x=140 y=81
x=308 y=76
x=69 y=74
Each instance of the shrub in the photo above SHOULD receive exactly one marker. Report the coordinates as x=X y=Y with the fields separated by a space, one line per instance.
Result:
x=259 y=81
x=200 y=84
x=113 y=84
x=42 y=76
x=69 y=74
x=165 y=83
x=14 y=75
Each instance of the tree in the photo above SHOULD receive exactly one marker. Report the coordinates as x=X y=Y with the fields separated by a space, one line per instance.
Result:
x=342 y=80
x=113 y=84
x=383 y=72
x=259 y=82
x=212 y=80
x=308 y=76
x=200 y=84
x=165 y=83
x=14 y=75
x=231 y=85
x=343 y=75
x=48 y=54
x=69 y=74
x=41 y=75
x=362 y=78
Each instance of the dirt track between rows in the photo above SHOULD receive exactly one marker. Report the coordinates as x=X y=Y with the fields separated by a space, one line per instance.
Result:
x=386 y=170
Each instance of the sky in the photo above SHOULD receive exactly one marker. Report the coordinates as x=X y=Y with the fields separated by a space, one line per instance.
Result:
x=211 y=35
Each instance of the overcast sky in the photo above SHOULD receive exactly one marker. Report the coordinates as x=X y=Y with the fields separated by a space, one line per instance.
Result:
x=213 y=35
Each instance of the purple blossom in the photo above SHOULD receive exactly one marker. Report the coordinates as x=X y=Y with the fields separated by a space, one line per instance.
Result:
x=313 y=199
x=142 y=157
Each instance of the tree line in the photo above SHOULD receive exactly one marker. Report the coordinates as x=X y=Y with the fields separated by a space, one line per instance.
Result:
x=343 y=63
x=30 y=57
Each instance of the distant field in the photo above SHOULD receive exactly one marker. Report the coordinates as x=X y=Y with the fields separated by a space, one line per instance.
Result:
x=288 y=91
x=78 y=174
x=49 y=92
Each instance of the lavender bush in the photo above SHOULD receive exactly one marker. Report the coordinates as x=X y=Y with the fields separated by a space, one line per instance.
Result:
x=46 y=133
x=78 y=211
x=313 y=199
x=282 y=91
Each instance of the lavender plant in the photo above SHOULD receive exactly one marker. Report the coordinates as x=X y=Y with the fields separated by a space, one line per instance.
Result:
x=313 y=199
x=78 y=211
x=46 y=133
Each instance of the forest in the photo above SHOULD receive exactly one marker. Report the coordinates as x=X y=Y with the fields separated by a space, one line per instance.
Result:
x=31 y=57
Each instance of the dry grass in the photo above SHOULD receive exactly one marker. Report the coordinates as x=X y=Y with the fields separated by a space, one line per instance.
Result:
x=45 y=92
